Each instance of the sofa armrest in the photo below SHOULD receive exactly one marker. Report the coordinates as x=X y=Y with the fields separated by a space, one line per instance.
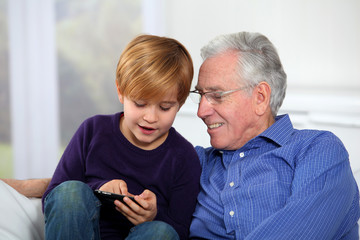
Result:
x=21 y=217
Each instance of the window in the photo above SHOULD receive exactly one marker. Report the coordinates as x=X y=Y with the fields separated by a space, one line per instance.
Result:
x=5 y=133
x=60 y=71
x=90 y=37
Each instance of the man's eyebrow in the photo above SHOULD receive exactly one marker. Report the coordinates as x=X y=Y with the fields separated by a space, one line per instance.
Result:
x=210 y=89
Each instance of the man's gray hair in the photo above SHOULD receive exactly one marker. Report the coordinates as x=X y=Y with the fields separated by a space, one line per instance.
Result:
x=258 y=61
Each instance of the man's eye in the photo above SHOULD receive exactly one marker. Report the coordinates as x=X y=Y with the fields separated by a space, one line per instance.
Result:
x=216 y=95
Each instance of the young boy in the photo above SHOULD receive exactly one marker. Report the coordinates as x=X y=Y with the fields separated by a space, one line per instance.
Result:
x=136 y=152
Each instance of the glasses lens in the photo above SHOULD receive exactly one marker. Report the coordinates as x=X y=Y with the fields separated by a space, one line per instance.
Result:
x=195 y=97
x=214 y=97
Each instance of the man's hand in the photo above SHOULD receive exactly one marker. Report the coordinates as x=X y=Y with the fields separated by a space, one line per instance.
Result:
x=29 y=187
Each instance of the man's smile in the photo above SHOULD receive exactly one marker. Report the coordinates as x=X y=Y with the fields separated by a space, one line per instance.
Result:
x=215 y=125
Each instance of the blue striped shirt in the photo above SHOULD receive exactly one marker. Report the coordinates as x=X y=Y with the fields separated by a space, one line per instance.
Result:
x=283 y=184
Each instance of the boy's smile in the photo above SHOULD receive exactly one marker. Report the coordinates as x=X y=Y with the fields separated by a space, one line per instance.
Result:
x=147 y=130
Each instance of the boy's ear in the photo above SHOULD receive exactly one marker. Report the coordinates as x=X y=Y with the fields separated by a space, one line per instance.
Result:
x=120 y=96
x=262 y=98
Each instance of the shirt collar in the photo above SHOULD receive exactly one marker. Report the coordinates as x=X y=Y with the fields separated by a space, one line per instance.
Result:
x=280 y=131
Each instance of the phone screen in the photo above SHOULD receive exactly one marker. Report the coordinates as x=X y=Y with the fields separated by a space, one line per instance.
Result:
x=109 y=198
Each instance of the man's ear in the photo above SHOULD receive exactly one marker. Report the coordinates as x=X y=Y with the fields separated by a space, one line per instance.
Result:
x=120 y=96
x=262 y=98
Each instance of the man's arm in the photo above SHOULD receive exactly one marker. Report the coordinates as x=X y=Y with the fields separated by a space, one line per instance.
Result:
x=324 y=203
x=29 y=187
x=314 y=213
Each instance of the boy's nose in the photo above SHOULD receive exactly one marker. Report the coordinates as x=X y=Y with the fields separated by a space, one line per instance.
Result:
x=150 y=116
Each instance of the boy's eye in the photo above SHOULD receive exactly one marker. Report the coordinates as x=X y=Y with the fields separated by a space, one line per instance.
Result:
x=165 y=108
x=138 y=104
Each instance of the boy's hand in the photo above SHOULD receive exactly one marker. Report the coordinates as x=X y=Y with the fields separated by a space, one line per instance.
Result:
x=136 y=214
x=116 y=186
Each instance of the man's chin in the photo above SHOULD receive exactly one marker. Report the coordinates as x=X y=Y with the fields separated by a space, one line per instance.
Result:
x=216 y=143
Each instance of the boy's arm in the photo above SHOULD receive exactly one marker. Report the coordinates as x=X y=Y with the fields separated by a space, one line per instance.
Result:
x=29 y=187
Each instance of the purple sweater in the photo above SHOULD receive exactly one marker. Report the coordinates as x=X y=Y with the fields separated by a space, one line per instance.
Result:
x=99 y=152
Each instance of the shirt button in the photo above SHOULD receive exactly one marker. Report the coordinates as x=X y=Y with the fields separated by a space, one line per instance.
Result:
x=232 y=213
x=231 y=184
x=242 y=154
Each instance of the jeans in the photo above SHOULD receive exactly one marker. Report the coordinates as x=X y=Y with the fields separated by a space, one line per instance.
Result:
x=72 y=211
x=154 y=230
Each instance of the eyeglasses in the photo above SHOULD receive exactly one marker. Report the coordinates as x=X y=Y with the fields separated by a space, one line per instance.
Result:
x=215 y=97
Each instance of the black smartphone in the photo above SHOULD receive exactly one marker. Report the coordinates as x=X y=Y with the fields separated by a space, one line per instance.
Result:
x=109 y=197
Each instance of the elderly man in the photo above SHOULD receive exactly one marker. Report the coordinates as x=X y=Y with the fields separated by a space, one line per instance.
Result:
x=263 y=179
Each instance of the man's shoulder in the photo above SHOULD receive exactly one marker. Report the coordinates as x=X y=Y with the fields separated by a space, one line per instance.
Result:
x=311 y=138
x=206 y=154
x=319 y=150
x=204 y=150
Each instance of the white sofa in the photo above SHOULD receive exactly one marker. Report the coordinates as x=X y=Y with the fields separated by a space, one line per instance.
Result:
x=21 y=218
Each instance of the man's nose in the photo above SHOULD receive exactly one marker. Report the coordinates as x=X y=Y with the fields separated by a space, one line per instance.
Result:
x=205 y=108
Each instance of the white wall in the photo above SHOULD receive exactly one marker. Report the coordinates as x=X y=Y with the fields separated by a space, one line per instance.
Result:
x=318 y=42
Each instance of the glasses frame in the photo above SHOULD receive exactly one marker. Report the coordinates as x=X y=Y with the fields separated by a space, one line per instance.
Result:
x=210 y=95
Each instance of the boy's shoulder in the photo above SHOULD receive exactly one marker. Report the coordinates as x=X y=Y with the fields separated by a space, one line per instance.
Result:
x=176 y=139
x=180 y=146
x=101 y=119
x=100 y=123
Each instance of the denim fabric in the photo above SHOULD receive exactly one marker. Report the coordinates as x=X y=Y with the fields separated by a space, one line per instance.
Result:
x=155 y=230
x=72 y=212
